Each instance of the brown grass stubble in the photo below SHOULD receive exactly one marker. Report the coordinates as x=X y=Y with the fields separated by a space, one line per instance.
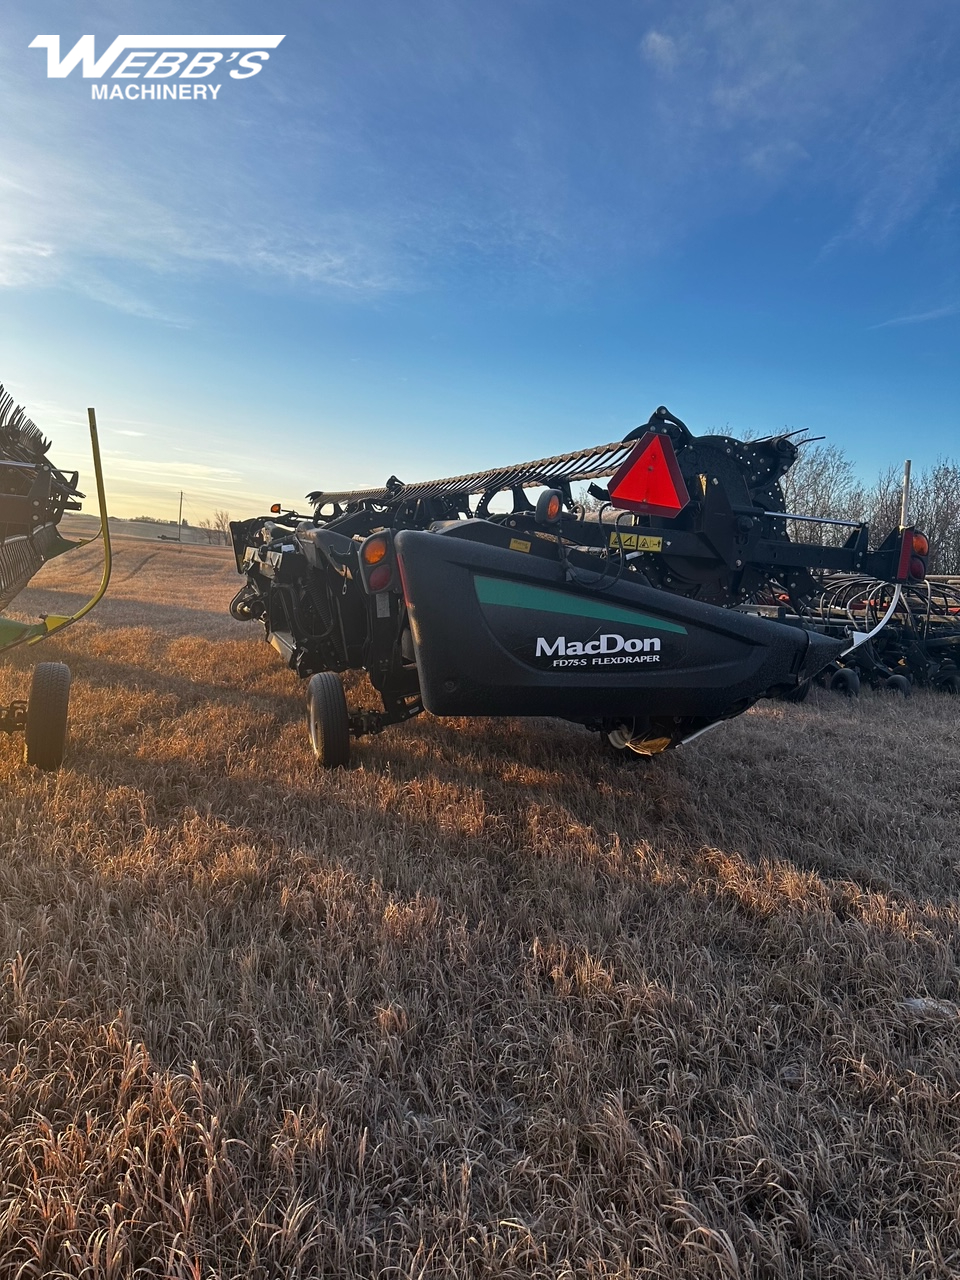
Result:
x=485 y=1004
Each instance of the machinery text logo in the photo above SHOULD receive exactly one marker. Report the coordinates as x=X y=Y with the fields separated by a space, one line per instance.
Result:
x=607 y=651
x=165 y=68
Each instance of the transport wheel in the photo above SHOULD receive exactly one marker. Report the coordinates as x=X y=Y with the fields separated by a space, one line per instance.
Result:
x=241 y=606
x=899 y=684
x=950 y=683
x=328 y=720
x=46 y=735
x=799 y=694
x=846 y=681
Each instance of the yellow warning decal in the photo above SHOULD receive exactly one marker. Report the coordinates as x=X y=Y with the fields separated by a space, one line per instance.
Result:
x=518 y=544
x=635 y=542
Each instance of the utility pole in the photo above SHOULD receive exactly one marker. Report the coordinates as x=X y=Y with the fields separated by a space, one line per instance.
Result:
x=180 y=519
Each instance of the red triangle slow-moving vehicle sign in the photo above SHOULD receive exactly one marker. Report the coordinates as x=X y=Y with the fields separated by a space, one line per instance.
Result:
x=649 y=480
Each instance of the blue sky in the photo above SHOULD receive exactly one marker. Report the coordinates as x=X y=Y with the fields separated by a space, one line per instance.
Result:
x=436 y=236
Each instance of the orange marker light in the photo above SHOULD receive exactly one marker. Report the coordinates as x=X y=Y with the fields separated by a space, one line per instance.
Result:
x=921 y=544
x=374 y=550
x=275 y=509
x=549 y=507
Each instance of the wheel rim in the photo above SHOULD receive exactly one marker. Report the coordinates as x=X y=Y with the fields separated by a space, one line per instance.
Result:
x=313 y=729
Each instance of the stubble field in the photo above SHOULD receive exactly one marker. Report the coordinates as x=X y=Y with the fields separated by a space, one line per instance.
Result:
x=485 y=1004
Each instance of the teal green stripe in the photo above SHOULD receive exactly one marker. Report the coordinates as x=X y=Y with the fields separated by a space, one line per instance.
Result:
x=520 y=595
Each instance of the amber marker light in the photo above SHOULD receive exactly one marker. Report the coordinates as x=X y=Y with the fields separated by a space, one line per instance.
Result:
x=921 y=544
x=374 y=550
x=549 y=507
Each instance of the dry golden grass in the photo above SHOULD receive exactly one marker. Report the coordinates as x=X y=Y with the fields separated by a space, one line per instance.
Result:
x=485 y=1004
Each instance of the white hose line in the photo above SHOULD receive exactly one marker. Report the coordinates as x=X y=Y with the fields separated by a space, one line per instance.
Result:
x=861 y=637
x=692 y=737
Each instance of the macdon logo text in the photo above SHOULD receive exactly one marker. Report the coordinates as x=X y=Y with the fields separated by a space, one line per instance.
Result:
x=152 y=59
x=608 y=650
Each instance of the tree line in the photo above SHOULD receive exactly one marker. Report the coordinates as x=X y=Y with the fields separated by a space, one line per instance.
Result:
x=217 y=530
x=823 y=482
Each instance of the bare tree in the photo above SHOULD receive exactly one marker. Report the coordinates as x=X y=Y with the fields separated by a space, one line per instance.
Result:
x=221 y=522
x=217 y=530
x=822 y=482
x=935 y=508
x=587 y=500
x=883 y=502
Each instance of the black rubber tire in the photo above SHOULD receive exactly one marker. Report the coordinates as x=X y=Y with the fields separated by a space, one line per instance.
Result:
x=898 y=684
x=950 y=683
x=46 y=731
x=240 y=606
x=328 y=720
x=846 y=681
x=799 y=694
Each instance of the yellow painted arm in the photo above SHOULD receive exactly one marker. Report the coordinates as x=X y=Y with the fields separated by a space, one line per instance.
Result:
x=56 y=622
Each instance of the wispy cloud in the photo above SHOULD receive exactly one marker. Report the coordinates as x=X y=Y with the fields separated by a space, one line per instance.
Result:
x=384 y=151
x=165 y=473
x=117 y=204
x=939 y=313
x=660 y=50
x=22 y=262
x=858 y=103
x=774 y=158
